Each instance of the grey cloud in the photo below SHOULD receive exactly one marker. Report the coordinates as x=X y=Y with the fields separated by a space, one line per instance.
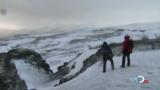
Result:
x=39 y=13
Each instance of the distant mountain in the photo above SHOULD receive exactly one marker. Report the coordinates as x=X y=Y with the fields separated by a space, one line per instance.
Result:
x=4 y=33
x=142 y=26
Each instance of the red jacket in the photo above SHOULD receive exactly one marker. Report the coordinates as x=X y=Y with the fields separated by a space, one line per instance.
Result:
x=125 y=47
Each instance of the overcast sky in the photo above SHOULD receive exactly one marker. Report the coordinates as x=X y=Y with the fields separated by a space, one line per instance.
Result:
x=31 y=14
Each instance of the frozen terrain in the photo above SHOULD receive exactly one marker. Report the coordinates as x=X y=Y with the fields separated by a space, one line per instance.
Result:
x=143 y=63
x=59 y=48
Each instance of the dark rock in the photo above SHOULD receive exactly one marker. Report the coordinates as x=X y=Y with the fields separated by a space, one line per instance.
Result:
x=9 y=79
x=45 y=66
x=22 y=52
x=32 y=89
x=64 y=69
x=31 y=56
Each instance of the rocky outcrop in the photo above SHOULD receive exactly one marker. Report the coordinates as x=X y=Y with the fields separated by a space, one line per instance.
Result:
x=86 y=64
x=31 y=57
x=9 y=79
x=65 y=69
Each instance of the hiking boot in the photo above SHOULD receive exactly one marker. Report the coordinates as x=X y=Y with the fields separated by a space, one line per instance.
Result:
x=112 y=68
x=122 y=66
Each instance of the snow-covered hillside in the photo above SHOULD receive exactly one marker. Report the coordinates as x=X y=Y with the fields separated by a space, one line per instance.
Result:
x=143 y=63
x=59 y=48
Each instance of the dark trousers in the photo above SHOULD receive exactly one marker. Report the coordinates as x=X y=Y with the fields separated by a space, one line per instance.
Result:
x=124 y=57
x=105 y=62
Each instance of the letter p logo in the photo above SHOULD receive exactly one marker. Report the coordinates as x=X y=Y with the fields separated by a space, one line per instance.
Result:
x=141 y=79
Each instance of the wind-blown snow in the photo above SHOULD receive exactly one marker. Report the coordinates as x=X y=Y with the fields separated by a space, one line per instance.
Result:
x=34 y=78
x=59 y=48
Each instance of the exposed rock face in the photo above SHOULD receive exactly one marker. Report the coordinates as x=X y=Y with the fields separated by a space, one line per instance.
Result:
x=86 y=64
x=62 y=71
x=9 y=79
x=65 y=69
x=22 y=53
x=31 y=57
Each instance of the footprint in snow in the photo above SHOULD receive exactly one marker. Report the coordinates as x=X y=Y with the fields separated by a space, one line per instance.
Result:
x=120 y=85
x=150 y=73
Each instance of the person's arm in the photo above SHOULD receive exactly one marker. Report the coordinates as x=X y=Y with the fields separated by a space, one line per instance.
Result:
x=110 y=50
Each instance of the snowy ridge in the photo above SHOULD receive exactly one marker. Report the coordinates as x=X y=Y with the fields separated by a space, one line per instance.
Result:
x=119 y=79
x=59 y=48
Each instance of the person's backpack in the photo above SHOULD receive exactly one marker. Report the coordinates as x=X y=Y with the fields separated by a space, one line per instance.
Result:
x=130 y=46
x=108 y=52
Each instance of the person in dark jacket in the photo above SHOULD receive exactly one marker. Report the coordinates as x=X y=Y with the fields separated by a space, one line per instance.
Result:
x=107 y=55
x=126 y=50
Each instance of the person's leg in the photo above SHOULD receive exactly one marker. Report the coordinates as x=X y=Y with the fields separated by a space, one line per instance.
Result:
x=104 y=63
x=112 y=64
x=128 y=58
x=123 y=60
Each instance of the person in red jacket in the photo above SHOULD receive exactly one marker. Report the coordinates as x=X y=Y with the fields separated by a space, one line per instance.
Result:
x=126 y=50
